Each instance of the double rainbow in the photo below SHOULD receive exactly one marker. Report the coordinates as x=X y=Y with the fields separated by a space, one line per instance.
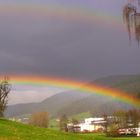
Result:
x=82 y=14
x=68 y=13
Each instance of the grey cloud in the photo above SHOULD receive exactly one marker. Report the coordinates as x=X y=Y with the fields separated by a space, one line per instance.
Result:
x=63 y=48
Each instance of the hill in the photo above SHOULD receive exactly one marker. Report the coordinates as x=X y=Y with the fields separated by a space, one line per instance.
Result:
x=96 y=105
x=75 y=102
x=99 y=105
x=16 y=131
x=126 y=83
x=51 y=104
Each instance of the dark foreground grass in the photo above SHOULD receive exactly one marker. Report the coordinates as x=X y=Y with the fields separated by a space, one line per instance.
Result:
x=16 y=131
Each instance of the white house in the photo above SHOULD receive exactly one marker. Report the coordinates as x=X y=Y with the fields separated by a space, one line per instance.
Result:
x=89 y=125
x=86 y=127
x=93 y=120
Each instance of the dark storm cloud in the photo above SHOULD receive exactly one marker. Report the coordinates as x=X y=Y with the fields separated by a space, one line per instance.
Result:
x=63 y=48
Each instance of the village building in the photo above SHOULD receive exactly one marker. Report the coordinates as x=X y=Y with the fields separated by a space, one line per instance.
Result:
x=130 y=131
x=89 y=125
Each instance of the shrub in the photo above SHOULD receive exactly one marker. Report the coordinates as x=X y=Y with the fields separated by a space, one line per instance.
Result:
x=113 y=130
x=39 y=119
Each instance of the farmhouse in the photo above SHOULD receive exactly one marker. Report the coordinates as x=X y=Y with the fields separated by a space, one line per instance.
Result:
x=89 y=125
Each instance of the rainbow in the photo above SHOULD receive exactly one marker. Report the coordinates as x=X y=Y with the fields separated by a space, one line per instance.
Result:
x=70 y=13
x=72 y=84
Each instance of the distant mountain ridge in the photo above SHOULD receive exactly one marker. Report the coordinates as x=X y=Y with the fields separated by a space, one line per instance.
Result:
x=51 y=104
x=74 y=102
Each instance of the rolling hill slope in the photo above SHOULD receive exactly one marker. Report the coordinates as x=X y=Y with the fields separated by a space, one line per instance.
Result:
x=97 y=106
x=16 y=131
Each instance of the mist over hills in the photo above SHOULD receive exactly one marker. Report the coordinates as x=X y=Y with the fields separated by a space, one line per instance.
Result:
x=74 y=102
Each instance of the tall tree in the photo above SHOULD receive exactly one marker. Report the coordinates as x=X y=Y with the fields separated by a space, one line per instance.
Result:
x=106 y=122
x=133 y=117
x=120 y=118
x=63 y=123
x=5 y=88
x=74 y=121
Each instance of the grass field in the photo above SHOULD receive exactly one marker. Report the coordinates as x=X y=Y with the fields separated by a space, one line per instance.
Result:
x=16 y=131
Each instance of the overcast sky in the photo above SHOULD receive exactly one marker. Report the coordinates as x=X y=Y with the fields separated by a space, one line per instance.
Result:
x=66 y=47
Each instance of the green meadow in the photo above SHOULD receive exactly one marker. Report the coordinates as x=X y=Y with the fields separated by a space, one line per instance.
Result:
x=16 y=131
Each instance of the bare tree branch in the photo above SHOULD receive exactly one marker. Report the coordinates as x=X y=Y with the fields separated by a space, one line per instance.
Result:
x=5 y=89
